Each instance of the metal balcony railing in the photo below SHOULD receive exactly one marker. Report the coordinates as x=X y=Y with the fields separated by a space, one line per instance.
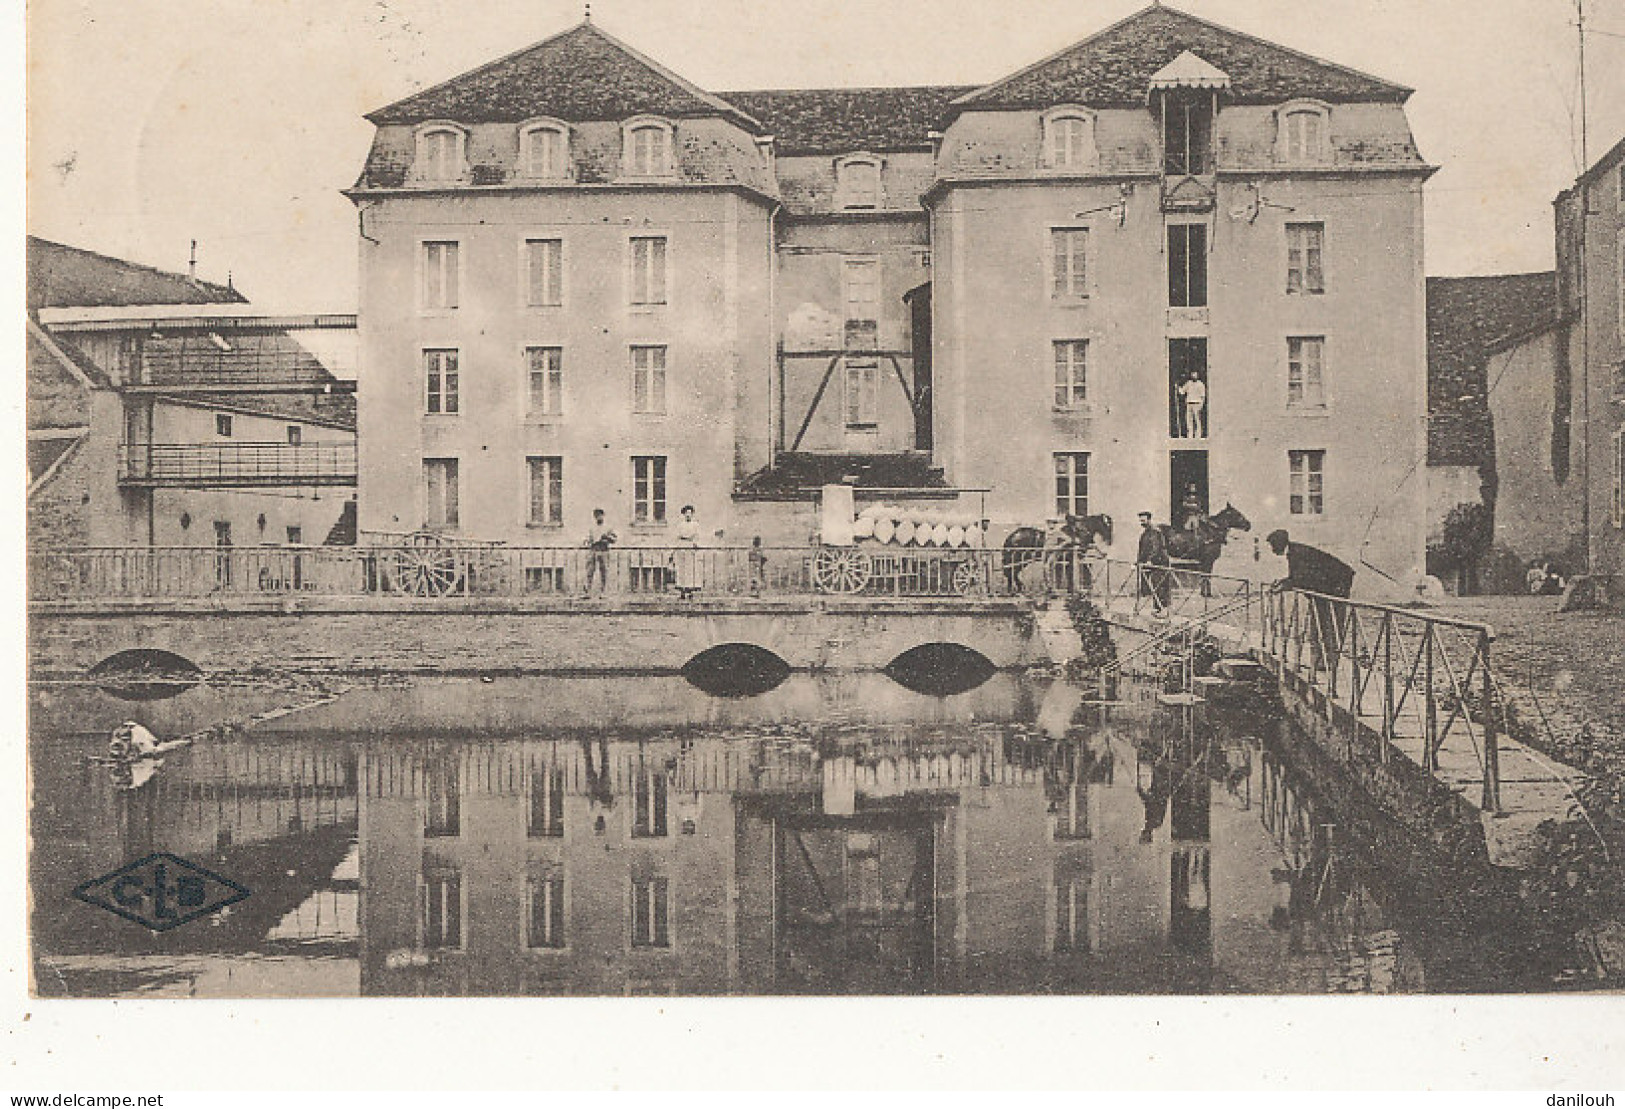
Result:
x=236 y=465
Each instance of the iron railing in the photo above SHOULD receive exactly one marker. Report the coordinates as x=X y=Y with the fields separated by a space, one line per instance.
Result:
x=1421 y=683
x=236 y=465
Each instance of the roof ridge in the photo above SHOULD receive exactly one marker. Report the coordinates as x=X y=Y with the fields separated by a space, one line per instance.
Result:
x=1304 y=54
x=481 y=68
x=849 y=88
x=174 y=274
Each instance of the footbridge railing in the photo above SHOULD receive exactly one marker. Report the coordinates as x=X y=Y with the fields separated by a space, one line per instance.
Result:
x=1420 y=683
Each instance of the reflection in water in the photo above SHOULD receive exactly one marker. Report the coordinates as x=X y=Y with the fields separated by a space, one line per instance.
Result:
x=830 y=836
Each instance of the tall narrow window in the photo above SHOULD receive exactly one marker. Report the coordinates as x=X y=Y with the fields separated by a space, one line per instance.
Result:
x=443 y=813
x=440 y=277
x=1187 y=265
x=1071 y=373
x=1187 y=128
x=544 y=380
x=440 y=382
x=545 y=152
x=1308 y=492
x=1304 y=270
x=544 y=272
x=545 y=804
x=546 y=491
x=862 y=392
x=296 y=435
x=1302 y=136
x=857 y=182
x=544 y=912
x=222 y=425
x=860 y=282
x=1069 y=139
x=439 y=493
x=1069 y=249
x=440 y=154
x=1072 y=812
x=649 y=803
x=651 y=913
x=648 y=270
x=1306 y=372
x=1072 y=483
x=649 y=381
x=649 y=489
x=442 y=902
x=648 y=150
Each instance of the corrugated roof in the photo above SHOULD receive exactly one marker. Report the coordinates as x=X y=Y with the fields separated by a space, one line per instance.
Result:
x=579 y=75
x=62 y=276
x=835 y=121
x=1115 y=66
x=1465 y=316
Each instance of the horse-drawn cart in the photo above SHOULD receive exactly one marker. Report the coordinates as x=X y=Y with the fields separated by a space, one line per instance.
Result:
x=891 y=551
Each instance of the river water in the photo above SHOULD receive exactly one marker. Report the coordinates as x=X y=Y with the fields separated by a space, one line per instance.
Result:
x=638 y=835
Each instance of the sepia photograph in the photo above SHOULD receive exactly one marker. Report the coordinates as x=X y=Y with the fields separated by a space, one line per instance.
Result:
x=634 y=499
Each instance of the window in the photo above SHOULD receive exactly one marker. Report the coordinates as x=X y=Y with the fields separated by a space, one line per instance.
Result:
x=1187 y=265
x=544 y=380
x=650 y=913
x=440 y=154
x=544 y=912
x=649 y=381
x=1308 y=493
x=544 y=273
x=296 y=535
x=1071 y=913
x=440 y=492
x=862 y=392
x=1071 y=373
x=440 y=276
x=222 y=425
x=649 y=802
x=1187 y=128
x=1305 y=372
x=860 y=289
x=440 y=382
x=442 y=814
x=1069 y=248
x=296 y=435
x=1069 y=139
x=649 y=489
x=1304 y=271
x=648 y=270
x=546 y=491
x=545 y=811
x=646 y=148
x=1302 y=133
x=857 y=182
x=544 y=151
x=222 y=533
x=442 y=894
x=1071 y=484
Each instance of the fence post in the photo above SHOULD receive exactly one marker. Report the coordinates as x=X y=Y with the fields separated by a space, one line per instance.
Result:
x=1388 y=714
x=1430 y=714
x=1492 y=754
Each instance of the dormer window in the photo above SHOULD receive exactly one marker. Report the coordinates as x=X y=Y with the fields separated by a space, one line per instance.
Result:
x=1303 y=128
x=646 y=148
x=440 y=153
x=544 y=150
x=1069 y=138
x=857 y=182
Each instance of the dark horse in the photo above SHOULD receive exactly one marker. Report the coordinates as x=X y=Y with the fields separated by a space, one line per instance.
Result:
x=1025 y=545
x=1198 y=548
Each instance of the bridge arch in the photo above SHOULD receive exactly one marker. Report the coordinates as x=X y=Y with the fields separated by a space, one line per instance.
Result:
x=940 y=668
x=736 y=669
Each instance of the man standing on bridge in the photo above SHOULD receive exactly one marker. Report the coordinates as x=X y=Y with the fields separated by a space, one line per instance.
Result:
x=1315 y=571
x=1152 y=560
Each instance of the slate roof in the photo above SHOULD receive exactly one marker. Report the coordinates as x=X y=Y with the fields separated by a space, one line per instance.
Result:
x=835 y=121
x=1115 y=66
x=580 y=75
x=1465 y=316
x=62 y=276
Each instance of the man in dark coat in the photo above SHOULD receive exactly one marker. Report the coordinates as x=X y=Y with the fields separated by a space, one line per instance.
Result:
x=1152 y=558
x=1315 y=571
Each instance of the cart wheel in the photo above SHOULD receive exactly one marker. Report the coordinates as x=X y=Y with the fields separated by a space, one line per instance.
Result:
x=966 y=579
x=840 y=570
x=424 y=567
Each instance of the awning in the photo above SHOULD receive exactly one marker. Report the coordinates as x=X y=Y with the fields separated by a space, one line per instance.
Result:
x=1188 y=71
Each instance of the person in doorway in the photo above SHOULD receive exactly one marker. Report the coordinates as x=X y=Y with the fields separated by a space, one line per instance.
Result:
x=1193 y=397
x=1313 y=570
x=600 y=537
x=758 y=566
x=1190 y=508
x=686 y=559
x=1151 y=559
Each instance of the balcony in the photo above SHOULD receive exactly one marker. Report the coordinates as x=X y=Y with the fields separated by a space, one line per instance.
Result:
x=236 y=465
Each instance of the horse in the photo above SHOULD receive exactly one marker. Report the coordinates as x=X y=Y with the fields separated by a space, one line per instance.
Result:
x=1198 y=548
x=1025 y=545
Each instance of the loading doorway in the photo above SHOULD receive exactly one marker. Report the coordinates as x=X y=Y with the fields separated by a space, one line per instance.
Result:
x=1187 y=486
x=1187 y=389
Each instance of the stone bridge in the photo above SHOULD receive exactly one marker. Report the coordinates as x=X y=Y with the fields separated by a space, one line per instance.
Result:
x=451 y=635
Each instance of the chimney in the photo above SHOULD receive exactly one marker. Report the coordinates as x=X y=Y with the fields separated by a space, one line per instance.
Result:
x=191 y=264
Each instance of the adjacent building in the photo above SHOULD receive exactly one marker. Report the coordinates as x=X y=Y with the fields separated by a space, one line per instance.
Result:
x=1171 y=262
